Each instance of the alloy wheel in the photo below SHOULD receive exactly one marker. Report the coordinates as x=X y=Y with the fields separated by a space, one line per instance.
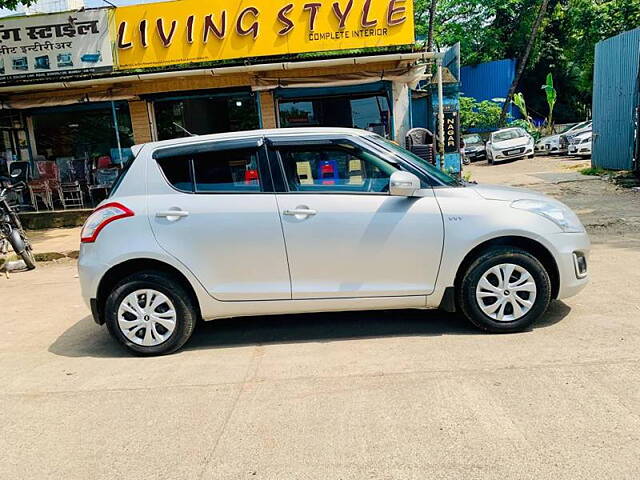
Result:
x=506 y=292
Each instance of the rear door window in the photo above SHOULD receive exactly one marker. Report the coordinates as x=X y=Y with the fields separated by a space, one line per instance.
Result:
x=227 y=171
x=218 y=171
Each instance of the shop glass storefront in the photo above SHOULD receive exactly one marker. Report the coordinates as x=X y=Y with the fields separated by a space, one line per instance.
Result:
x=350 y=107
x=86 y=132
x=218 y=112
x=14 y=146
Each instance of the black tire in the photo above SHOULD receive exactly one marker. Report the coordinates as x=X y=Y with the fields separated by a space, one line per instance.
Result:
x=167 y=285
x=22 y=248
x=466 y=291
x=28 y=258
x=489 y=159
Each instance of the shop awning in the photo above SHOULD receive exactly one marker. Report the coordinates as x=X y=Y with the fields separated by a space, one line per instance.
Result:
x=410 y=75
x=64 y=98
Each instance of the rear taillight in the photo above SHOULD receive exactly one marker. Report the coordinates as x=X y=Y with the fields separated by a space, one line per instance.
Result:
x=100 y=218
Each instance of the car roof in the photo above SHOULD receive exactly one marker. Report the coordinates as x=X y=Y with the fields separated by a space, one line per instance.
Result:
x=507 y=128
x=248 y=134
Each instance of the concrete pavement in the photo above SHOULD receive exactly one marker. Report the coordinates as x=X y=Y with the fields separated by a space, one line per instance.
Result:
x=376 y=395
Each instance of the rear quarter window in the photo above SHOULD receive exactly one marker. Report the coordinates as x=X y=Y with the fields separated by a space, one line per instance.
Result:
x=177 y=171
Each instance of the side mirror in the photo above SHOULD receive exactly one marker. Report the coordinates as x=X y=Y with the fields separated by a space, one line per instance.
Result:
x=404 y=184
x=16 y=173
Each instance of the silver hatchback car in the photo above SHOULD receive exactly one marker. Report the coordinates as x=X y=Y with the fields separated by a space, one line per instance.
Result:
x=313 y=220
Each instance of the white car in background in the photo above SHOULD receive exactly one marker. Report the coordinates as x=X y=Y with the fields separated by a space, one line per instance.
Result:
x=580 y=145
x=567 y=137
x=508 y=144
x=551 y=143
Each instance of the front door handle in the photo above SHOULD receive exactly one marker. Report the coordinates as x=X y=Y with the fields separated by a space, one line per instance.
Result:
x=300 y=212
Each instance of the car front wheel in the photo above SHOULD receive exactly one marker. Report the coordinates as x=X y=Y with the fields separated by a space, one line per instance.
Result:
x=150 y=314
x=504 y=290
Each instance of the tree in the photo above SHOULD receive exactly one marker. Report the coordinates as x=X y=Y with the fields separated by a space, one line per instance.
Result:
x=481 y=116
x=496 y=29
x=523 y=61
x=13 y=4
x=552 y=96
x=432 y=19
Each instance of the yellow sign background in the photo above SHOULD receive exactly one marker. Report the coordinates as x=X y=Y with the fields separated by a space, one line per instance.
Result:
x=327 y=34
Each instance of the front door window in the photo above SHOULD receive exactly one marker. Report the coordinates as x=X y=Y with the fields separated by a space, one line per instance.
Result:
x=335 y=169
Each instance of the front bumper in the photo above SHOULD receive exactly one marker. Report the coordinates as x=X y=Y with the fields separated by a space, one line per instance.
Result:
x=476 y=155
x=569 y=247
x=502 y=155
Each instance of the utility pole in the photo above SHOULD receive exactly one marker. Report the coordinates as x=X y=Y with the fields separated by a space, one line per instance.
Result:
x=440 y=114
x=523 y=61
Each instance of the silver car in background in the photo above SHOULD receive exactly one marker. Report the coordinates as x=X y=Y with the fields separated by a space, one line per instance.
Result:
x=315 y=220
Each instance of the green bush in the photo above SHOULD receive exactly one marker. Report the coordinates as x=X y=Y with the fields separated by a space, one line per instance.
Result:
x=483 y=115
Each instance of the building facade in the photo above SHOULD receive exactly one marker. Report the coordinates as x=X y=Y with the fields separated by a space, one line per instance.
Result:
x=87 y=85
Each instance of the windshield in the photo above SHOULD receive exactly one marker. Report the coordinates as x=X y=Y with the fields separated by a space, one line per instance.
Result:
x=578 y=126
x=414 y=159
x=565 y=128
x=506 y=135
x=472 y=139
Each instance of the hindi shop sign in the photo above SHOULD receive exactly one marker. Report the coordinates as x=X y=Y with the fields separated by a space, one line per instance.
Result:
x=51 y=46
x=188 y=31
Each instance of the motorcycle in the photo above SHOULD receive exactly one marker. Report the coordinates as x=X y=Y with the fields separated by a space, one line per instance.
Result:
x=11 y=231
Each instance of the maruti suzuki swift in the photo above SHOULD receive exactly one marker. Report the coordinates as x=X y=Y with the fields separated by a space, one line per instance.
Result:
x=315 y=220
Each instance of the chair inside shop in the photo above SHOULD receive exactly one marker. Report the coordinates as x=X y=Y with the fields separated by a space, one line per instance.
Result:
x=71 y=183
x=421 y=142
x=45 y=185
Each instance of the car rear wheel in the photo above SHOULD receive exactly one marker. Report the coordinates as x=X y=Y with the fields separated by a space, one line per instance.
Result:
x=504 y=290
x=150 y=314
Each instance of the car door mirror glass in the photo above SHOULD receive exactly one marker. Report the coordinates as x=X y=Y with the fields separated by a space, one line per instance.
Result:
x=404 y=184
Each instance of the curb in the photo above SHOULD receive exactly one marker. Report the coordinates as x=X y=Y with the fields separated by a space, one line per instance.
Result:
x=45 y=257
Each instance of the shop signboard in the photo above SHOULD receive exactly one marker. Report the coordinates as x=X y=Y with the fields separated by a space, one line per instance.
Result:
x=188 y=31
x=451 y=132
x=43 y=47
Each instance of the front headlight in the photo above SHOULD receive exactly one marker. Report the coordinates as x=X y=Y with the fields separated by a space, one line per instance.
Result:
x=562 y=216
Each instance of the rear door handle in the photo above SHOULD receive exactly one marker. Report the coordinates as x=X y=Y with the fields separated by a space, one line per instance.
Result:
x=300 y=212
x=172 y=214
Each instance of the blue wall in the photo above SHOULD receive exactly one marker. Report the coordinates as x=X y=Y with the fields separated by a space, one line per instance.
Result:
x=615 y=99
x=420 y=112
x=489 y=80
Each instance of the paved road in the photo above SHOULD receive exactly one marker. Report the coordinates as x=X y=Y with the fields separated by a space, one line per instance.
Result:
x=375 y=395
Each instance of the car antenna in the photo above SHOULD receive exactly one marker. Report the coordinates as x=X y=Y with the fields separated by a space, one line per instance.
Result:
x=185 y=130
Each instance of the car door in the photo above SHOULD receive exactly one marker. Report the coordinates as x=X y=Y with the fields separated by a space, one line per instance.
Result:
x=346 y=237
x=213 y=208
